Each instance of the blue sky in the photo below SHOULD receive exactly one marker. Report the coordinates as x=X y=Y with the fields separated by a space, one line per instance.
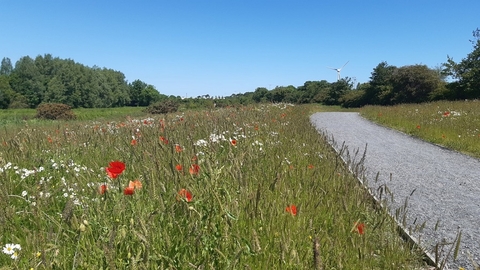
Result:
x=223 y=47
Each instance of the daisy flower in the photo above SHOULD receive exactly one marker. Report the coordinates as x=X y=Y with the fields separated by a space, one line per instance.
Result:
x=9 y=249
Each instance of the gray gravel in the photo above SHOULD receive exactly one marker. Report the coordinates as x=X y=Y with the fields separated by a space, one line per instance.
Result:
x=441 y=186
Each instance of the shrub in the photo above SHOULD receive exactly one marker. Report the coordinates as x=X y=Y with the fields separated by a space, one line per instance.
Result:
x=167 y=106
x=55 y=111
x=353 y=99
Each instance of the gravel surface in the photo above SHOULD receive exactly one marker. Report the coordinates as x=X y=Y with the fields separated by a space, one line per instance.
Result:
x=442 y=187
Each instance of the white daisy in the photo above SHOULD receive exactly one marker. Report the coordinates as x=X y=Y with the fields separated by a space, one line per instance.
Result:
x=9 y=249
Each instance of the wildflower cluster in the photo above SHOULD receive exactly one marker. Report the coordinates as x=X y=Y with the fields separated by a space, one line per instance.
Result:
x=12 y=250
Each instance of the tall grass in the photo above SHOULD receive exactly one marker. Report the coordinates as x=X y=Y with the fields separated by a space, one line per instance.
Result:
x=268 y=193
x=455 y=125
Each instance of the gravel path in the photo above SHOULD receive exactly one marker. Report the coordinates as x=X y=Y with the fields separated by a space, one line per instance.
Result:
x=442 y=187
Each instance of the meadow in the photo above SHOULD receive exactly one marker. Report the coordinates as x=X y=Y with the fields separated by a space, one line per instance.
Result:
x=251 y=187
x=452 y=124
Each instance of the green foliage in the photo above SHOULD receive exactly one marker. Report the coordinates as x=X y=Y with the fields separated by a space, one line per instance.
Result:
x=332 y=95
x=142 y=94
x=18 y=101
x=6 y=92
x=311 y=91
x=6 y=66
x=260 y=94
x=415 y=84
x=162 y=107
x=379 y=91
x=353 y=99
x=408 y=84
x=467 y=71
x=49 y=79
x=54 y=111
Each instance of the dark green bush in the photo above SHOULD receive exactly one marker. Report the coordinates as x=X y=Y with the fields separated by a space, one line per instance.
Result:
x=55 y=111
x=167 y=106
x=353 y=99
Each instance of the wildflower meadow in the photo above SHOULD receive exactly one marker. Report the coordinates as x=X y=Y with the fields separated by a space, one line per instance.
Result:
x=252 y=187
x=453 y=124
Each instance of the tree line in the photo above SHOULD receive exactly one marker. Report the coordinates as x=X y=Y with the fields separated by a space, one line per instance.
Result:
x=46 y=79
x=388 y=85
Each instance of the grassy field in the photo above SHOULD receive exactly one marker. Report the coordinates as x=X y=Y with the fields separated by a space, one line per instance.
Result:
x=239 y=188
x=20 y=116
x=455 y=125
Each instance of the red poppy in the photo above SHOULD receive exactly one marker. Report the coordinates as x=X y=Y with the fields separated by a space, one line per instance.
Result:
x=185 y=195
x=292 y=209
x=194 y=169
x=178 y=148
x=135 y=184
x=102 y=189
x=134 y=142
x=360 y=228
x=310 y=166
x=164 y=140
x=179 y=167
x=115 y=169
x=418 y=127
x=129 y=190
x=233 y=142
x=446 y=114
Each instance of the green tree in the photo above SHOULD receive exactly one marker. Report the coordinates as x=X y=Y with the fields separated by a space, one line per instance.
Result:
x=282 y=93
x=380 y=87
x=467 y=71
x=55 y=92
x=337 y=90
x=6 y=92
x=26 y=81
x=6 y=67
x=149 y=95
x=356 y=97
x=135 y=90
x=415 y=84
x=313 y=91
x=260 y=94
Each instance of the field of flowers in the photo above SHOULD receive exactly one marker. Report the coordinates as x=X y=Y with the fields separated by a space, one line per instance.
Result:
x=455 y=125
x=248 y=188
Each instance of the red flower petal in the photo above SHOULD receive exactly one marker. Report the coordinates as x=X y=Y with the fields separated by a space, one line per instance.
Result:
x=194 y=169
x=361 y=228
x=129 y=190
x=178 y=148
x=292 y=209
x=115 y=169
x=102 y=189
x=135 y=184
x=185 y=195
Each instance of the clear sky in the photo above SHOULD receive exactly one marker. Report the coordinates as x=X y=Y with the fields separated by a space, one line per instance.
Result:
x=224 y=47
